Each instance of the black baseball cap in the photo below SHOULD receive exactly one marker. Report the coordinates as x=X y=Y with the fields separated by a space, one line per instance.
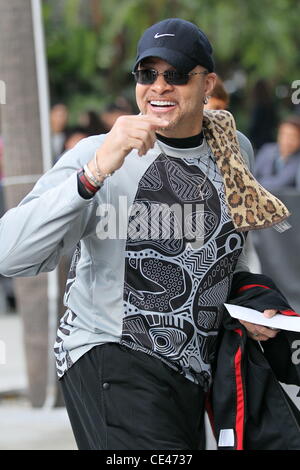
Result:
x=178 y=42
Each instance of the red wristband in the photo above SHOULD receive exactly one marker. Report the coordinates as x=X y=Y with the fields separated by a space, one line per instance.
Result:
x=89 y=186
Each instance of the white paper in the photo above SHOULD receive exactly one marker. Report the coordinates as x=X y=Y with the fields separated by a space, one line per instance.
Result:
x=279 y=321
x=226 y=438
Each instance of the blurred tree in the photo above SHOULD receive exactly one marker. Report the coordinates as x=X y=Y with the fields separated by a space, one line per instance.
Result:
x=23 y=164
x=92 y=43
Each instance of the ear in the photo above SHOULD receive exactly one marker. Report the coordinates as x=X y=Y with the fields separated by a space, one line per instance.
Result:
x=210 y=82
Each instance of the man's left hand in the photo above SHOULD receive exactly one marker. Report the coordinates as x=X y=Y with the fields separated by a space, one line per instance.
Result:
x=259 y=332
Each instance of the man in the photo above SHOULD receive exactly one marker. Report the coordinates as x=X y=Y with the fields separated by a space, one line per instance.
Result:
x=219 y=98
x=277 y=164
x=160 y=239
x=59 y=116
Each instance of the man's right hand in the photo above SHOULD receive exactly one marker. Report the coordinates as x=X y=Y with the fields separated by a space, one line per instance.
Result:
x=128 y=133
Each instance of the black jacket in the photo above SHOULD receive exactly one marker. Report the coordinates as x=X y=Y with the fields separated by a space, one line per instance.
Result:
x=250 y=409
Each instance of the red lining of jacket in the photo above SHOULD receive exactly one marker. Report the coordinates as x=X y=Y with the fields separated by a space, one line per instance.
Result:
x=249 y=286
x=289 y=313
x=240 y=405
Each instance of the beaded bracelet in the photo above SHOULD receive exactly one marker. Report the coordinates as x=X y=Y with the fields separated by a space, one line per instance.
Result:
x=97 y=183
x=98 y=172
x=91 y=187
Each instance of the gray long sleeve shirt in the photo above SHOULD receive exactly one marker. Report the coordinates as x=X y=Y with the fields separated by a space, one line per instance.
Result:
x=159 y=295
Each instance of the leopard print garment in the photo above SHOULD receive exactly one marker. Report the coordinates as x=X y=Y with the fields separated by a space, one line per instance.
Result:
x=251 y=206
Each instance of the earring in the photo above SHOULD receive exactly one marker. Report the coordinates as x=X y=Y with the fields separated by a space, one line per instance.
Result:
x=205 y=100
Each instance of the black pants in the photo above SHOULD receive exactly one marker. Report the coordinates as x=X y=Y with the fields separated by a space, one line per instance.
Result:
x=118 y=398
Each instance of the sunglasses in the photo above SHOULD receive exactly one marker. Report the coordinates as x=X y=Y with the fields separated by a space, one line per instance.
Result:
x=148 y=76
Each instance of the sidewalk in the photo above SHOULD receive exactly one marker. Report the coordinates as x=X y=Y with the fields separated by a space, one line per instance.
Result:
x=22 y=427
x=25 y=428
x=12 y=360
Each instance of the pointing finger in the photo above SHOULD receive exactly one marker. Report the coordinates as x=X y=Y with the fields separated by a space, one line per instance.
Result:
x=155 y=121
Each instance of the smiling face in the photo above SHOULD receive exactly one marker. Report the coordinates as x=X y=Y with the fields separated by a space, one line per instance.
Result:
x=181 y=105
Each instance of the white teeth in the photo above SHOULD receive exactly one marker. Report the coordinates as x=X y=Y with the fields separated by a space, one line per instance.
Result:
x=162 y=103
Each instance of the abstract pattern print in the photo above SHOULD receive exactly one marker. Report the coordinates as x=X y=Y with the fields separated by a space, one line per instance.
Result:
x=63 y=360
x=173 y=291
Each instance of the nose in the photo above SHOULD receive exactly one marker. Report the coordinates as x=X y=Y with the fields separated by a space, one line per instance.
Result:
x=160 y=84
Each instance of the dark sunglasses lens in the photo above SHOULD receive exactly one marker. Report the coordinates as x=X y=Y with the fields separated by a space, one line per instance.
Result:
x=176 y=78
x=145 y=76
x=148 y=76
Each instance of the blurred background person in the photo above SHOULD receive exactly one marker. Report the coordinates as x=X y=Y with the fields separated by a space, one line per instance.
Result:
x=119 y=107
x=92 y=123
x=73 y=135
x=219 y=98
x=58 y=121
x=264 y=115
x=278 y=164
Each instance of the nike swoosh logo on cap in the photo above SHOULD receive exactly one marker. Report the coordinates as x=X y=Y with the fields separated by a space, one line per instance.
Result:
x=161 y=35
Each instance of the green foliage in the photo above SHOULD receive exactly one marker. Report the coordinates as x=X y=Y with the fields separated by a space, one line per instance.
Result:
x=91 y=44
